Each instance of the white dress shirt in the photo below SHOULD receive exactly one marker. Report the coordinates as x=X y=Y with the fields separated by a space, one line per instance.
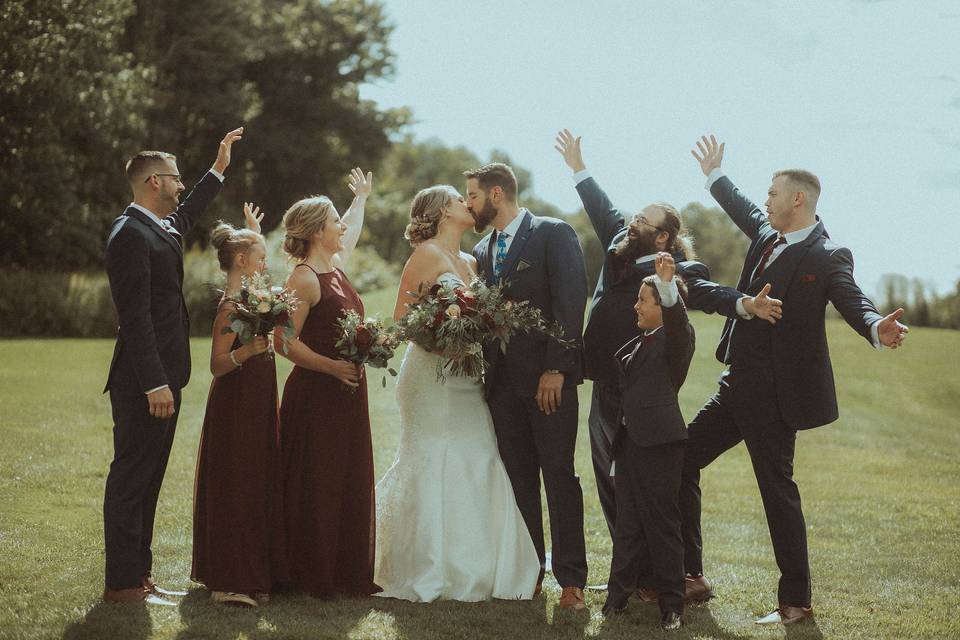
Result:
x=508 y=232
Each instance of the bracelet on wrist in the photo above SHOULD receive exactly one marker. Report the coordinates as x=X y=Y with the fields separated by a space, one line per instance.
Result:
x=233 y=359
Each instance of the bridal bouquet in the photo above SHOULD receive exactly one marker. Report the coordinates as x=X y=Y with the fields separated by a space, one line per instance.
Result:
x=455 y=321
x=259 y=308
x=367 y=341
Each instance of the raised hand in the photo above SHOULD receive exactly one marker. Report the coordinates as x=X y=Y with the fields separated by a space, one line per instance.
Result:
x=360 y=184
x=569 y=148
x=763 y=306
x=223 y=154
x=711 y=154
x=666 y=267
x=252 y=216
x=890 y=332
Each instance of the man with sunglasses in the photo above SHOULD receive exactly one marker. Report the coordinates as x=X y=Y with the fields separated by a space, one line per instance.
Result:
x=630 y=246
x=151 y=360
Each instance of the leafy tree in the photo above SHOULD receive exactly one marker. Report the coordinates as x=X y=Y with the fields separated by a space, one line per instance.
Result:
x=70 y=103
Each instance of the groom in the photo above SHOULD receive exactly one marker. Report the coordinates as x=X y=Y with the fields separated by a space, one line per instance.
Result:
x=151 y=360
x=531 y=384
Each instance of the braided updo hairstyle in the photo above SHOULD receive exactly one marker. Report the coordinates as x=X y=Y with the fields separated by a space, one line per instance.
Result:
x=230 y=242
x=426 y=212
x=303 y=220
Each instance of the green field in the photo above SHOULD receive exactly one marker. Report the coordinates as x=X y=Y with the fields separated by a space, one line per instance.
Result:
x=881 y=491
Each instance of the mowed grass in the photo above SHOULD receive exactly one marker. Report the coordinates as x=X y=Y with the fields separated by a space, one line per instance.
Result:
x=880 y=491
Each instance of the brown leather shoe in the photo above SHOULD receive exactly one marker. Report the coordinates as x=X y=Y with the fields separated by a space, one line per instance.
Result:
x=572 y=598
x=786 y=614
x=136 y=594
x=698 y=589
x=650 y=596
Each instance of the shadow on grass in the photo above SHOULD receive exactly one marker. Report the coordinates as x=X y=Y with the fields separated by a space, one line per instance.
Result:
x=108 y=620
x=643 y=621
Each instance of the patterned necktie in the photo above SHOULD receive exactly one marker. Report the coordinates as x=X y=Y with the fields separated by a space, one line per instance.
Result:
x=765 y=256
x=501 y=254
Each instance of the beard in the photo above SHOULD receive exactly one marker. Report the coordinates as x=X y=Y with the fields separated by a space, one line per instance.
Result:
x=483 y=218
x=634 y=245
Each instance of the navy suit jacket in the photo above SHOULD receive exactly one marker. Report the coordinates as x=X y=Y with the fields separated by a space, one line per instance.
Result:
x=544 y=266
x=652 y=370
x=145 y=268
x=805 y=277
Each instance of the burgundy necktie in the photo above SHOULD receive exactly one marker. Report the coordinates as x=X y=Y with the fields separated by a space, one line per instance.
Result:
x=765 y=256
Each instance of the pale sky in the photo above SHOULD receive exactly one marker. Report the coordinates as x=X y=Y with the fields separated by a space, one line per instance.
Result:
x=866 y=94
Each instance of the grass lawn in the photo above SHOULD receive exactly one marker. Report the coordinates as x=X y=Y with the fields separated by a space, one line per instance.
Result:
x=880 y=491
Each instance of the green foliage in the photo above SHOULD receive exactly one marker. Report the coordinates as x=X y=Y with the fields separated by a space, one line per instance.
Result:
x=718 y=242
x=70 y=102
x=83 y=85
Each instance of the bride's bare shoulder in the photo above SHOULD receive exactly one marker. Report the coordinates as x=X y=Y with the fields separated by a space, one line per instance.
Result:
x=426 y=257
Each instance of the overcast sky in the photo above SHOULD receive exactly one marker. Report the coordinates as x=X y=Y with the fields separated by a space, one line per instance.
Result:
x=866 y=94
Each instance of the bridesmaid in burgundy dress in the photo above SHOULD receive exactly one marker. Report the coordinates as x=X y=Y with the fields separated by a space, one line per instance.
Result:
x=325 y=426
x=237 y=535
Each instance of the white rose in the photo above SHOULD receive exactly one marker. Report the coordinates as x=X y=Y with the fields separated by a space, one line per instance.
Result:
x=263 y=307
x=453 y=311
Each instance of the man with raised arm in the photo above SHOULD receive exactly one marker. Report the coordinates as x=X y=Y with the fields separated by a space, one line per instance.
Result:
x=151 y=360
x=779 y=378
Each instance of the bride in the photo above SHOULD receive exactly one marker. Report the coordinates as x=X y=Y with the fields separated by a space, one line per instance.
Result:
x=448 y=526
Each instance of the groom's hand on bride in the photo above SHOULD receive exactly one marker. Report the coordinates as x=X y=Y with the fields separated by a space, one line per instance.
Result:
x=161 y=403
x=223 y=155
x=569 y=148
x=549 y=391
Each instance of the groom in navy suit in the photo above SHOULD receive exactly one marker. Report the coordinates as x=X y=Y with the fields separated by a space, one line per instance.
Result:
x=151 y=360
x=531 y=384
x=779 y=378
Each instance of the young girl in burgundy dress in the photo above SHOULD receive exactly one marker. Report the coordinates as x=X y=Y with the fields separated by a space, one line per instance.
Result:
x=237 y=516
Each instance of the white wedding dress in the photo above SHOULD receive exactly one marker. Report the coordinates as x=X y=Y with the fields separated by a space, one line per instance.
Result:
x=448 y=526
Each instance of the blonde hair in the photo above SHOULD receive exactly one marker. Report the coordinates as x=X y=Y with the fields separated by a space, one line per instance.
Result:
x=230 y=242
x=303 y=220
x=426 y=212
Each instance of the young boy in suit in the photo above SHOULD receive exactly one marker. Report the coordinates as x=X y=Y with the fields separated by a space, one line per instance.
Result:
x=649 y=447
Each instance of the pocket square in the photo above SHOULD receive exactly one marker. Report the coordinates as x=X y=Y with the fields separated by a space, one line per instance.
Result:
x=808 y=277
x=523 y=265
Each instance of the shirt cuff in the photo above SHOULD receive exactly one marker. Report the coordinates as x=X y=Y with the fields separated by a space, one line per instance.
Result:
x=166 y=386
x=668 y=292
x=580 y=176
x=741 y=311
x=875 y=336
x=713 y=176
x=217 y=174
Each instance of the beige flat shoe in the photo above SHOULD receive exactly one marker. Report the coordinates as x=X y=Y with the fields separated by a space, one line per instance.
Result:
x=229 y=597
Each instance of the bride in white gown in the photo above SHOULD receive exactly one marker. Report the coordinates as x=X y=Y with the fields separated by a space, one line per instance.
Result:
x=448 y=526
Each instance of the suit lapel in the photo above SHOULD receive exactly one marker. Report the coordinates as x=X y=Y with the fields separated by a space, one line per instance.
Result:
x=516 y=245
x=153 y=226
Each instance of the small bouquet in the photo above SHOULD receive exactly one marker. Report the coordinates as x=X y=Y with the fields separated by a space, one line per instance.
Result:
x=367 y=341
x=259 y=308
x=455 y=321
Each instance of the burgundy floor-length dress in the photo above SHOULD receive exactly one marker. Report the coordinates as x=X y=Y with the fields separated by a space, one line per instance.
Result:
x=237 y=508
x=328 y=462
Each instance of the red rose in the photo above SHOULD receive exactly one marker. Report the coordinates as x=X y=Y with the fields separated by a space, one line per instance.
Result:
x=364 y=339
x=282 y=318
x=467 y=302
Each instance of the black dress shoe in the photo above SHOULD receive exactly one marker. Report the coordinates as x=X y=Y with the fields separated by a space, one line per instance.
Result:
x=613 y=607
x=670 y=621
